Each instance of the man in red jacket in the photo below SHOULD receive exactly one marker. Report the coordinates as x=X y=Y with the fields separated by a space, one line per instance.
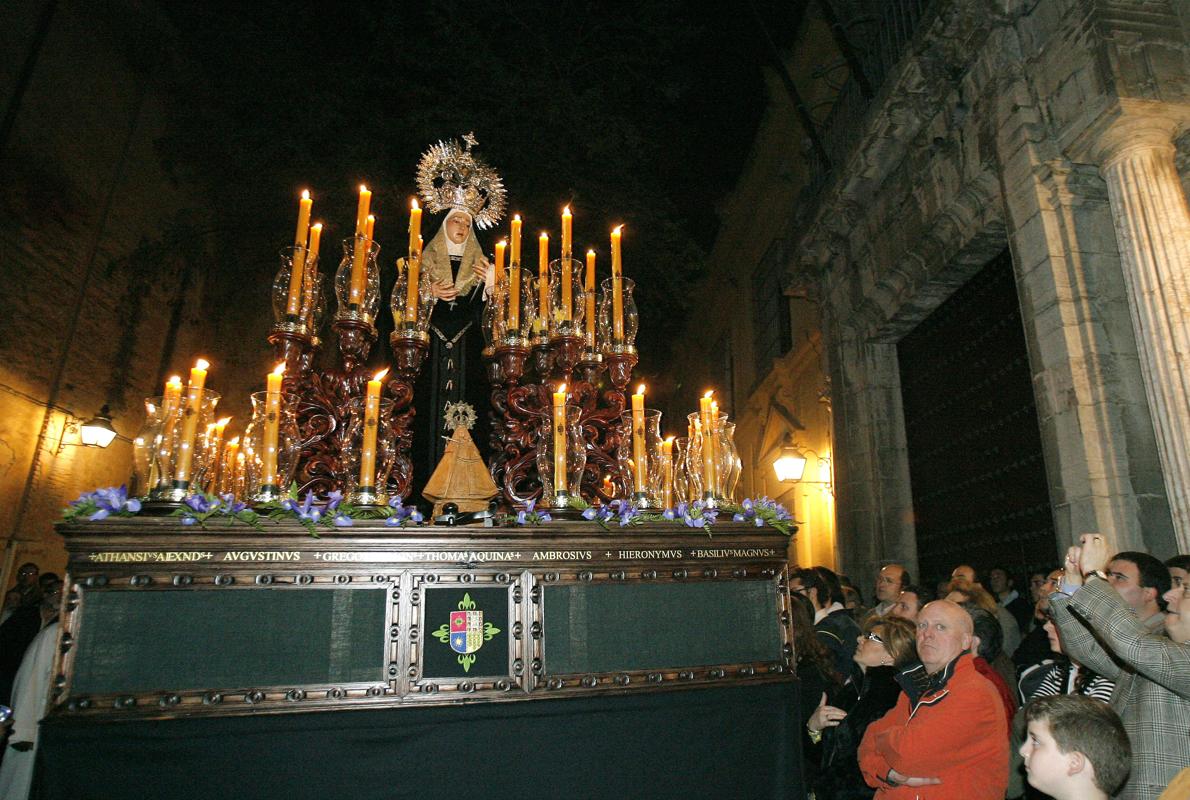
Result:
x=947 y=737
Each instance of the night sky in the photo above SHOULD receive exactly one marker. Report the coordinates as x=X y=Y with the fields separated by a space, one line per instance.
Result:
x=639 y=113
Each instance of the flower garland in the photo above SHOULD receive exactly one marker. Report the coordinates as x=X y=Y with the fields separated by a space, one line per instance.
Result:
x=333 y=512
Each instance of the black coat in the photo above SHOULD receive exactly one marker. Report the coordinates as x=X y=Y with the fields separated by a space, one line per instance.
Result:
x=838 y=776
x=839 y=632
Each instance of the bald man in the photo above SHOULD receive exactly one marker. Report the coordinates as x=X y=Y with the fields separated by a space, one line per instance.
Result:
x=947 y=736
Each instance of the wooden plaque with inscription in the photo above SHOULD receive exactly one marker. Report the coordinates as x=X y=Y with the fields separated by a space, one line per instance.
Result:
x=167 y=621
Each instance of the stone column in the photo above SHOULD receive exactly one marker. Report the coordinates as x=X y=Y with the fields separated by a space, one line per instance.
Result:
x=1152 y=223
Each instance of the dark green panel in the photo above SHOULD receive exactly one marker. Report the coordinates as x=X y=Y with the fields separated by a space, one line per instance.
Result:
x=487 y=653
x=135 y=641
x=608 y=627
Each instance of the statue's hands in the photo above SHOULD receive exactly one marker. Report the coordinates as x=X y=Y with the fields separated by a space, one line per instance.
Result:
x=444 y=290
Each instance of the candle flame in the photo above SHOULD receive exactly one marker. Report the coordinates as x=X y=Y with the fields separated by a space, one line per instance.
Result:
x=234 y=442
x=669 y=439
x=223 y=422
x=305 y=194
x=210 y=428
x=640 y=389
x=502 y=243
x=175 y=379
x=618 y=230
x=380 y=375
x=709 y=393
x=317 y=226
x=371 y=219
x=566 y=211
x=279 y=369
x=545 y=235
x=591 y=253
x=413 y=204
x=562 y=389
x=202 y=363
x=517 y=217
x=362 y=188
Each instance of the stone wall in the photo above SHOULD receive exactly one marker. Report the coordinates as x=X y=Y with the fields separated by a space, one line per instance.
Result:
x=993 y=132
x=95 y=238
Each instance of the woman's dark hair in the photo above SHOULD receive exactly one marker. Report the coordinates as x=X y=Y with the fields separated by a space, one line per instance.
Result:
x=806 y=643
x=987 y=628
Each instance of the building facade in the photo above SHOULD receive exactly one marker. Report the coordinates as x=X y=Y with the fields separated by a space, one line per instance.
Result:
x=1046 y=132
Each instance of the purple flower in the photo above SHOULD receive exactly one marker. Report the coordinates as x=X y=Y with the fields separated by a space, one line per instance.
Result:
x=544 y=516
x=332 y=500
x=392 y=522
x=102 y=513
x=343 y=521
x=133 y=505
x=416 y=515
x=669 y=514
x=307 y=509
x=590 y=512
x=189 y=520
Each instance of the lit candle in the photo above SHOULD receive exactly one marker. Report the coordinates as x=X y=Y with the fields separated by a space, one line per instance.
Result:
x=617 y=288
x=543 y=279
x=369 y=228
x=638 y=439
x=497 y=280
x=164 y=440
x=590 y=298
x=359 y=272
x=514 y=297
x=708 y=451
x=293 y=305
x=414 y=230
x=198 y=379
x=560 y=483
x=217 y=453
x=567 y=298
x=315 y=241
x=567 y=228
x=412 y=287
x=173 y=393
x=667 y=463
x=367 y=455
x=227 y=481
x=514 y=250
x=498 y=273
x=272 y=419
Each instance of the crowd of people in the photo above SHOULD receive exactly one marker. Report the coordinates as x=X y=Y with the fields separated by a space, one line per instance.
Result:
x=1076 y=685
x=28 y=635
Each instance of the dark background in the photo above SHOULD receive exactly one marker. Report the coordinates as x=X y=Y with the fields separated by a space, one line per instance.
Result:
x=640 y=114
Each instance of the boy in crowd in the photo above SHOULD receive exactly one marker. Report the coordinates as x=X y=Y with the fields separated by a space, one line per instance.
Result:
x=1076 y=748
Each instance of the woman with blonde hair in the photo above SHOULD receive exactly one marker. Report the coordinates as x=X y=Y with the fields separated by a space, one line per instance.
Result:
x=886 y=645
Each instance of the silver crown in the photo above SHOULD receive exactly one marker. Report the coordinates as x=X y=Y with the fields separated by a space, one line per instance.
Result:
x=449 y=176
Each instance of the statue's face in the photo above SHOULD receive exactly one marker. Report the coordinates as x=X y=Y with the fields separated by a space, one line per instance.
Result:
x=457 y=226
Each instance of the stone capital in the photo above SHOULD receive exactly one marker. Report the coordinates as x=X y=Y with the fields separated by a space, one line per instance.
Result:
x=1130 y=126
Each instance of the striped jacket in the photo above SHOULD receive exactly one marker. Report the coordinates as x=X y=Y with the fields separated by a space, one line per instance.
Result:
x=1152 y=676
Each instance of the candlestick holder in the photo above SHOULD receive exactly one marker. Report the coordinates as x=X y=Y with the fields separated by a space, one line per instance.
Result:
x=410 y=348
x=618 y=321
x=411 y=315
x=560 y=456
x=567 y=298
x=565 y=353
x=366 y=484
x=180 y=460
x=590 y=364
x=294 y=312
x=267 y=484
x=646 y=493
x=542 y=356
x=361 y=304
x=517 y=412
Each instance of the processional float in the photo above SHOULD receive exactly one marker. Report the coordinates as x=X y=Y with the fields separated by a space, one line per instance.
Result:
x=559 y=353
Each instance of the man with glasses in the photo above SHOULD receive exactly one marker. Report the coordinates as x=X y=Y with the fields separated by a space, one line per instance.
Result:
x=890 y=581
